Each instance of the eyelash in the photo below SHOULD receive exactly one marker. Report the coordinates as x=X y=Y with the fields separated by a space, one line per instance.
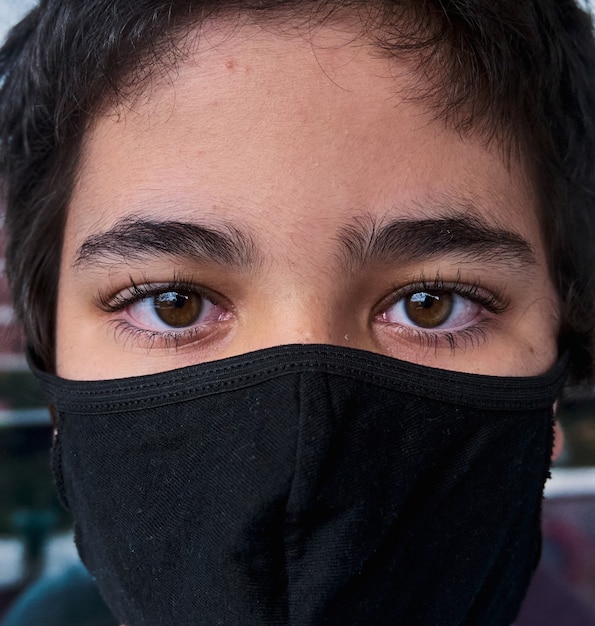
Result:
x=136 y=292
x=492 y=301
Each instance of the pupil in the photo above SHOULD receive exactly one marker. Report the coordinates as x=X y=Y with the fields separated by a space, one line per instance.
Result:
x=424 y=300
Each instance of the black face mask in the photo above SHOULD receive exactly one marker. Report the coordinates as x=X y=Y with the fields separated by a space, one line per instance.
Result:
x=307 y=485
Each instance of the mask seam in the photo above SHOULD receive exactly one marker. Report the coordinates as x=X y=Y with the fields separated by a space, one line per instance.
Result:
x=408 y=367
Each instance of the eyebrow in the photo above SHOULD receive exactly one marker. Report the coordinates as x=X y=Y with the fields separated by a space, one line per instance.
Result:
x=363 y=242
x=137 y=239
x=466 y=237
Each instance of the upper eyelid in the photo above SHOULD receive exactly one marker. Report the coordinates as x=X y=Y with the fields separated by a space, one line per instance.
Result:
x=117 y=301
x=492 y=299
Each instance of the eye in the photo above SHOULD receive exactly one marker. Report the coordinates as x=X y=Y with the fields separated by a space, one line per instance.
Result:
x=173 y=309
x=166 y=315
x=433 y=310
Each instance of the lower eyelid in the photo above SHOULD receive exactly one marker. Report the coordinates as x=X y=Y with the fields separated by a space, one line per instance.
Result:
x=127 y=333
x=438 y=340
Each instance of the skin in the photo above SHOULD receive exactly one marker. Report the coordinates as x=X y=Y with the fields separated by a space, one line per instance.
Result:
x=296 y=141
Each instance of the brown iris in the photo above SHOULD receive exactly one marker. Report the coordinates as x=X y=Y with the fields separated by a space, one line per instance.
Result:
x=429 y=309
x=177 y=308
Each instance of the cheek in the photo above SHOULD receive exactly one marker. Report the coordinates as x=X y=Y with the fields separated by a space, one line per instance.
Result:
x=543 y=334
x=70 y=332
x=535 y=338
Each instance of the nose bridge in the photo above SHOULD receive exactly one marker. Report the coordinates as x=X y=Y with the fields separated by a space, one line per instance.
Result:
x=295 y=312
x=306 y=316
x=304 y=296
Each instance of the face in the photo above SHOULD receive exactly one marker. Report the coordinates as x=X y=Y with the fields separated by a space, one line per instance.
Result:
x=280 y=189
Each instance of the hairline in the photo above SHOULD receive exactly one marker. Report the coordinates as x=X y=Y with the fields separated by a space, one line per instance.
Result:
x=152 y=67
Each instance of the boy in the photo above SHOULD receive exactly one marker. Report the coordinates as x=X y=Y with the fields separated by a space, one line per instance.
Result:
x=302 y=281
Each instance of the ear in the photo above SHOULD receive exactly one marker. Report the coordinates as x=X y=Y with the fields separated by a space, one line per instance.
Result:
x=558 y=441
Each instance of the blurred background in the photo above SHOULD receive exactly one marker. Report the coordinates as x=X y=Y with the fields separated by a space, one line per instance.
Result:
x=38 y=560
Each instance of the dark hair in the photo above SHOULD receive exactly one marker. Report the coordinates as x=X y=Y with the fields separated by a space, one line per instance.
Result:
x=520 y=72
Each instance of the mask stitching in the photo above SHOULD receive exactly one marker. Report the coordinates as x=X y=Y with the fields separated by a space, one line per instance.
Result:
x=464 y=394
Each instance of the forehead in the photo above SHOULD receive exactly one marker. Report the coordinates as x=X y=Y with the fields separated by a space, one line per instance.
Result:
x=301 y=132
